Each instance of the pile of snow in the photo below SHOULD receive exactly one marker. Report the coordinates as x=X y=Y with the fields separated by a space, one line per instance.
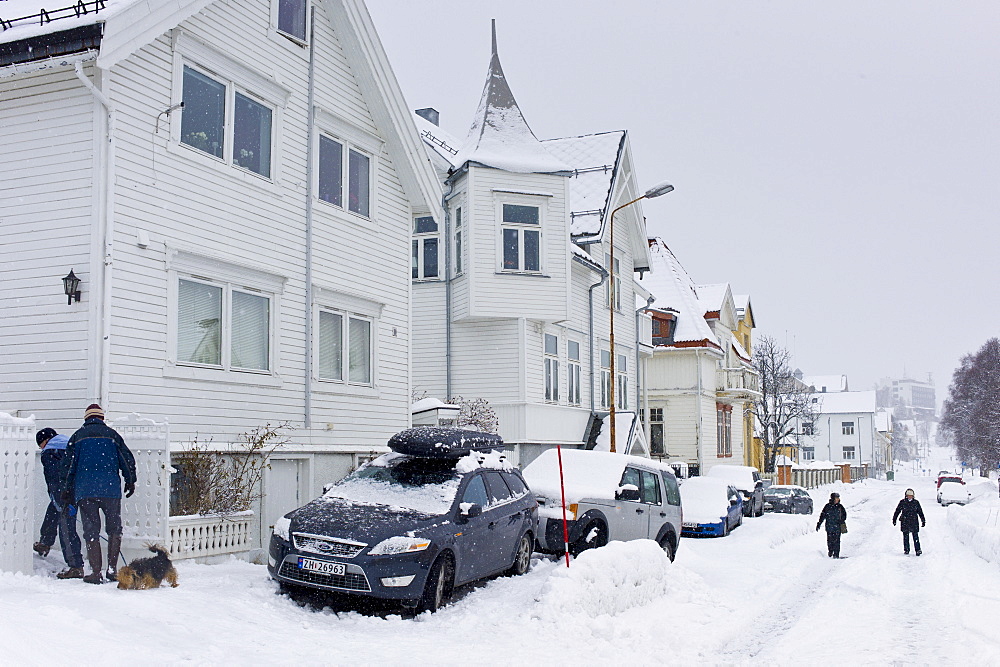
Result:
x=612 y=580
x=977 y=525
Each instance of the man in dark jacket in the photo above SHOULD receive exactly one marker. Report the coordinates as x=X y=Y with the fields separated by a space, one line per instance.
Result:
x=834 y=515
x=908 y=511
x=59 y=517
x=97 y=460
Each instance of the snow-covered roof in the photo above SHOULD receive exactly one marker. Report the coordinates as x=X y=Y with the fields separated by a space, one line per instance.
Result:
x=500 y=136
x=22 y=16
x=742 y=302
x=583 y=254
x=712 y=297
x=826 y=383
x=440 y=142
x=593 y=158
x=883 y=421
x=738 y=348
x=431 y=403
x=673 y=288
x=846 y=402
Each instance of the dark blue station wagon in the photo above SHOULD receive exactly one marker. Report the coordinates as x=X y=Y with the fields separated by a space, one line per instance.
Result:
x=443 y=509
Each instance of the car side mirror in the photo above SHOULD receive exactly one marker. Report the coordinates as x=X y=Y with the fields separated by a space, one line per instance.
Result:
x=627 y=492
x=471 y=510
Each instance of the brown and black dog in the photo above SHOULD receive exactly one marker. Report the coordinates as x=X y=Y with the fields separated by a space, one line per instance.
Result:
x=149 y=572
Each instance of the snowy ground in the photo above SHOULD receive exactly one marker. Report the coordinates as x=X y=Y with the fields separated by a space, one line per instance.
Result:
x=765 y=595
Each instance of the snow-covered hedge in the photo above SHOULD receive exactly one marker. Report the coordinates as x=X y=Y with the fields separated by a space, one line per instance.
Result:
x=613 y=579
x=977 y=525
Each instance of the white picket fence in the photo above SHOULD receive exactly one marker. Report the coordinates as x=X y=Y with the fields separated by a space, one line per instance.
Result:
x=145 y=516
x=17 y=478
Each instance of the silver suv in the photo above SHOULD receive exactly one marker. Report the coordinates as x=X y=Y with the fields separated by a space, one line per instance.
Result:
x=608 y=497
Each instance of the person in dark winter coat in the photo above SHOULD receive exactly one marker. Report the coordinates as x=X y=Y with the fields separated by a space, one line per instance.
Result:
x=908 y=511
x=835 y=516
x=97 y=460
x=59 y=517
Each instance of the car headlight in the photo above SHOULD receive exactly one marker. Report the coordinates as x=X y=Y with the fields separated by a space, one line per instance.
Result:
x=281 y=527
x=399 y=545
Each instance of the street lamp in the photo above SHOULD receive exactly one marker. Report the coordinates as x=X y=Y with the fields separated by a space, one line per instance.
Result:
x=655 y=191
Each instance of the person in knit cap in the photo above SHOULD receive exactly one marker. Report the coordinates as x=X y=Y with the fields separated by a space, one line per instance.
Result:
x=97 y=460
x=60 y=517
x=908 y=511
x=835 y=517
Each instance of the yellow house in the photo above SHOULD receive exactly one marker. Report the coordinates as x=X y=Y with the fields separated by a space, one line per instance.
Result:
x=753 y=454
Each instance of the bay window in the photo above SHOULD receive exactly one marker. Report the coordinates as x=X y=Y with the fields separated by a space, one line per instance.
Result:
x=573 y=372
x=551 y=368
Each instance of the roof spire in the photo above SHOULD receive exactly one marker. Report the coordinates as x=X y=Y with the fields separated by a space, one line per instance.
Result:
x=499 y=136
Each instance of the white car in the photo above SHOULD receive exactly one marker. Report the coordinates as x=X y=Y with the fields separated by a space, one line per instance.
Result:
x=953 y=491
x=608 y=497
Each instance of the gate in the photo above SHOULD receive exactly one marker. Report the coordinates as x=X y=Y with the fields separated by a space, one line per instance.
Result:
x=145 y=516
x=17 y=477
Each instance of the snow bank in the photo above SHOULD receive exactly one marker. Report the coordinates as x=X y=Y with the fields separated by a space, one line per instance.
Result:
x=612 y=580
x=977 y=525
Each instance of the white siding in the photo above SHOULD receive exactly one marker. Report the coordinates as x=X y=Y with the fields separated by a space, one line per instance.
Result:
x=429 y=336
x=47 y=205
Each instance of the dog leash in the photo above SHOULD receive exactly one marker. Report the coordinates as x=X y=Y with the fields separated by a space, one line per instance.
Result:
x=120 y=554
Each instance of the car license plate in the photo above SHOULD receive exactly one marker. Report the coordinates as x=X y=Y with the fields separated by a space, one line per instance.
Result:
x=322 y=566
x=689 y=525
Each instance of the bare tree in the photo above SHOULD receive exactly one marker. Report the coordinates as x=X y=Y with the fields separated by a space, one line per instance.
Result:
x=476 y=413
x=785 y=404
x=971 y=414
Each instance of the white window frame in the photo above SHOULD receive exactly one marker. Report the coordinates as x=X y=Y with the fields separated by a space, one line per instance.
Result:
x=847 y=428
x=621 y=388
x=275 y=13
x=573 y=372
x=808 y=453
x=418 y=239
x=348 y=306
x=537 y=202
x=237 y=77
x=850 y=453
x=229 y=276
x=351 y=138
x=551 y=368
x=613 y=288
x=459 y=240
x=605 y=380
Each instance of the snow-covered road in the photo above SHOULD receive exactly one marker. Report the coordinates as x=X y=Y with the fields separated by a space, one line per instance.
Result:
x=765 y=595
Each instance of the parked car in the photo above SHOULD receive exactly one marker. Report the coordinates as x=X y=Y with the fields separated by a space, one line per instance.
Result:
x=712 y=507
x=953 y=490
x=949 y=476
x=787 y=499
x=747 y=480
x=412 y=526
x=608 y=497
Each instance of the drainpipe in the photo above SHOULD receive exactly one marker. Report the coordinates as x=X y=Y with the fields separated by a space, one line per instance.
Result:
x=447 y=289
x=590 y=303
x=108 y=201
x=310 y=193
x=699 y=430
x=640 y=384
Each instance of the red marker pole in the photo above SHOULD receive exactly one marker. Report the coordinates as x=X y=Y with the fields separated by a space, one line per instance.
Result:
x=562 y=491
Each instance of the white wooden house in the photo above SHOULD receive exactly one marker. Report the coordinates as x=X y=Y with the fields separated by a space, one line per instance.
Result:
x=234 y=184
x=700 y=379
x=846 y=430
x=513 y=290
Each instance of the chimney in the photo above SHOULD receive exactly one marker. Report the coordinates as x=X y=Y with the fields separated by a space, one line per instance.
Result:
x=429 y=114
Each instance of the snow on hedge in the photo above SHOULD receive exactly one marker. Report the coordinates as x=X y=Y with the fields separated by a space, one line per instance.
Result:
x=614 y=579
x=977 y=525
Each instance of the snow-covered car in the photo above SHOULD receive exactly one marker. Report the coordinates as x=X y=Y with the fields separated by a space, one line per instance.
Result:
x=787 y=499
x=953 y=491
x=411 y=528
x=949 y=476
x=608 y=497
x=747 y=480
x=711 y=507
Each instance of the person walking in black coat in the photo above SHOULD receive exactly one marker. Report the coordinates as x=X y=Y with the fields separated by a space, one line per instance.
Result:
x=97 y=461
x=835 y=517
x=908 y=511
x=60 y=517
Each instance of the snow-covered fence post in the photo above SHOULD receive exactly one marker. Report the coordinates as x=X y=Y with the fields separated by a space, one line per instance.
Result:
x=146 y=514
x=17 y=511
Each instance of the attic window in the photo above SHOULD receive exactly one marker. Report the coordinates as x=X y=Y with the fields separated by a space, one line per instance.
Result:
x=292 y=18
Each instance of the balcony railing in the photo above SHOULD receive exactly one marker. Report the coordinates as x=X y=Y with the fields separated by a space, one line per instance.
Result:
x=737 y=380
x=198 y=536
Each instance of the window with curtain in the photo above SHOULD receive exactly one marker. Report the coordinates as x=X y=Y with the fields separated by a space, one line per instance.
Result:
x=345 y=348
x=218 y=325
x=331 y=346
x=360 y=345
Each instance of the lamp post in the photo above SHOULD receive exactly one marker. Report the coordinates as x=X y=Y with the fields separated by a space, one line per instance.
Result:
x=655 y=191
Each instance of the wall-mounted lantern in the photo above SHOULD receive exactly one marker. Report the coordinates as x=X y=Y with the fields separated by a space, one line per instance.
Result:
x=71 y=286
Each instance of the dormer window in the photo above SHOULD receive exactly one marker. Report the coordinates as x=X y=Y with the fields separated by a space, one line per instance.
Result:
x=424 y=261
x=521 y=238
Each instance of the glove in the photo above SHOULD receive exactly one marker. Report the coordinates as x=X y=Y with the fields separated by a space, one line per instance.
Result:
x=129 y=489
x=817 y=528
x=923 y=524
x=894 y=523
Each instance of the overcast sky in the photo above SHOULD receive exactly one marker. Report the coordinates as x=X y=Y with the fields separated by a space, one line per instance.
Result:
x=839 y=161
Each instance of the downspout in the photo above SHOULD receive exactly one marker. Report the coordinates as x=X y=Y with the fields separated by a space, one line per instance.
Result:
x=448 y=277
x=590 y=303
x=700 y=430
x=104 y=386
x=310 y=192
x=640 y=384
